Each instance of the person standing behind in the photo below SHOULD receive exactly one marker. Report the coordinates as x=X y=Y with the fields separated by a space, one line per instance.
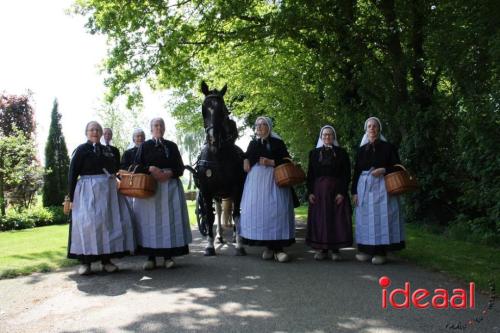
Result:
x=110 y=152
x=379 y=222
x=101 y=225
x=128 y=157
x=162 y=220
x=329 y=225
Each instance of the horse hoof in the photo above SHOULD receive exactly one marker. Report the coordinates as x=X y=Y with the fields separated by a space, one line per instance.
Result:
x=240 y=252
x=210 y=251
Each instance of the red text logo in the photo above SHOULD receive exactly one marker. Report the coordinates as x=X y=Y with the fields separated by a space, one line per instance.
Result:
x=422 y=298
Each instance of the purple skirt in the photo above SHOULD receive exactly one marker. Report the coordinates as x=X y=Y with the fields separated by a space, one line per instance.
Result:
x=329 y=225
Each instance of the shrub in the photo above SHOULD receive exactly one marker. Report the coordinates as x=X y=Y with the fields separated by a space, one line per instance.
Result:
x=473 y=230
x=33 y=217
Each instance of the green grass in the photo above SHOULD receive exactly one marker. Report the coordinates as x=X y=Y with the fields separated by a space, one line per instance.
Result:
x=463 y=260
x=33 y=250
x=41 y=249
x=192 y=217
x=301 y=213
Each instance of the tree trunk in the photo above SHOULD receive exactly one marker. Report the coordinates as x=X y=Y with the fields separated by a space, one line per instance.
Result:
x=422 y=91
x=190 y=174
x=399 y=69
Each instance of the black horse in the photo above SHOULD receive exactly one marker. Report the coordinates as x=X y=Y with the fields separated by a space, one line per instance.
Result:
x=218 y=172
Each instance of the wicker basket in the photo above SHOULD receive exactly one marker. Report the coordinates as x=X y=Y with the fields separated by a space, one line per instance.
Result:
x=67 y=205
x=137 y=185
x=400 y=182
x=289 y=174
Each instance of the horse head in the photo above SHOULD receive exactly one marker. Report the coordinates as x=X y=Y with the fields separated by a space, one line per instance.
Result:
x=215 y=116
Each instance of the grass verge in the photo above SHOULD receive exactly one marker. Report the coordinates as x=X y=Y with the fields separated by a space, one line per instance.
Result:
x=42 y=249
x=463 y=260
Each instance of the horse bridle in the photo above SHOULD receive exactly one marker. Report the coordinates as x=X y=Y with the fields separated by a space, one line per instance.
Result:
x=208 y=128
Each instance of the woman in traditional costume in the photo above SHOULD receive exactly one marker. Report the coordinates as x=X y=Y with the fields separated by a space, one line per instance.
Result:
x=101 y=226
x=379 y=222
x=329 y=225
x=163 y=228
x=111 y=153
x=267 y=215
x=128 y=157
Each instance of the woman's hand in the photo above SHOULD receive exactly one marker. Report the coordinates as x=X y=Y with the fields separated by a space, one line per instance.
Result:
x=378 y=172
x=339 y=199
x=266 y=161
x=246 y=165
x=161 y=175
x=355 y=200
x=152 y=169
x=312 y=199
x=166 y=175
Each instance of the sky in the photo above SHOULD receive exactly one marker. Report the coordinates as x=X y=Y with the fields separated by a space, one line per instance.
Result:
x=49 y=52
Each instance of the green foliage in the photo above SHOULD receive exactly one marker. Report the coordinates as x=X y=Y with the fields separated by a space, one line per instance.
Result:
x=466 y=261
x=26 y=251
x=113 y=116
x=190 y=141
x=429 y=71
x=478 y=230
x=20 y=172
x=56 y=162
x=32 y=217
x=16 y=112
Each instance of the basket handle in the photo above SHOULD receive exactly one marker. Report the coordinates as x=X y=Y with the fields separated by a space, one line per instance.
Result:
x=135 y=168
x=401 y=166
x=288 y=158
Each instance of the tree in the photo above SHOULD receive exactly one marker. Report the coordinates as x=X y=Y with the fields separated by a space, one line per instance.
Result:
x=191 y=142
x=20 y=174
x=121 y=121
x=16 y=112
x=429 y=71
x=56 y=162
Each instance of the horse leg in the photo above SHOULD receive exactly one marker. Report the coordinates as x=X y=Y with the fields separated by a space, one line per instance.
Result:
x=220 y=231
x=227 y=212
x=240 y=250
x=209 y=211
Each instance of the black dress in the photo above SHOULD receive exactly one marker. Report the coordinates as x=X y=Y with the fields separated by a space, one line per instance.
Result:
x=329 y=225
x=128 y=158
x=112 y=156
x=161 y=153
x=87 y=160
x=380 y=154
x=271 y=148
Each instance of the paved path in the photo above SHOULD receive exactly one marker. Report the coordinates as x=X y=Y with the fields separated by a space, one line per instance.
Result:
x=230 y=294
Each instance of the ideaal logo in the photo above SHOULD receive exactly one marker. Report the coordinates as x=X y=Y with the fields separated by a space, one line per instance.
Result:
x=438 y=299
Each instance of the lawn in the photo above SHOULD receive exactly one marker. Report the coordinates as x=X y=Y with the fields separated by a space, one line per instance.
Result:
x=33 y=250
x=41 y=249
x=463 y=260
